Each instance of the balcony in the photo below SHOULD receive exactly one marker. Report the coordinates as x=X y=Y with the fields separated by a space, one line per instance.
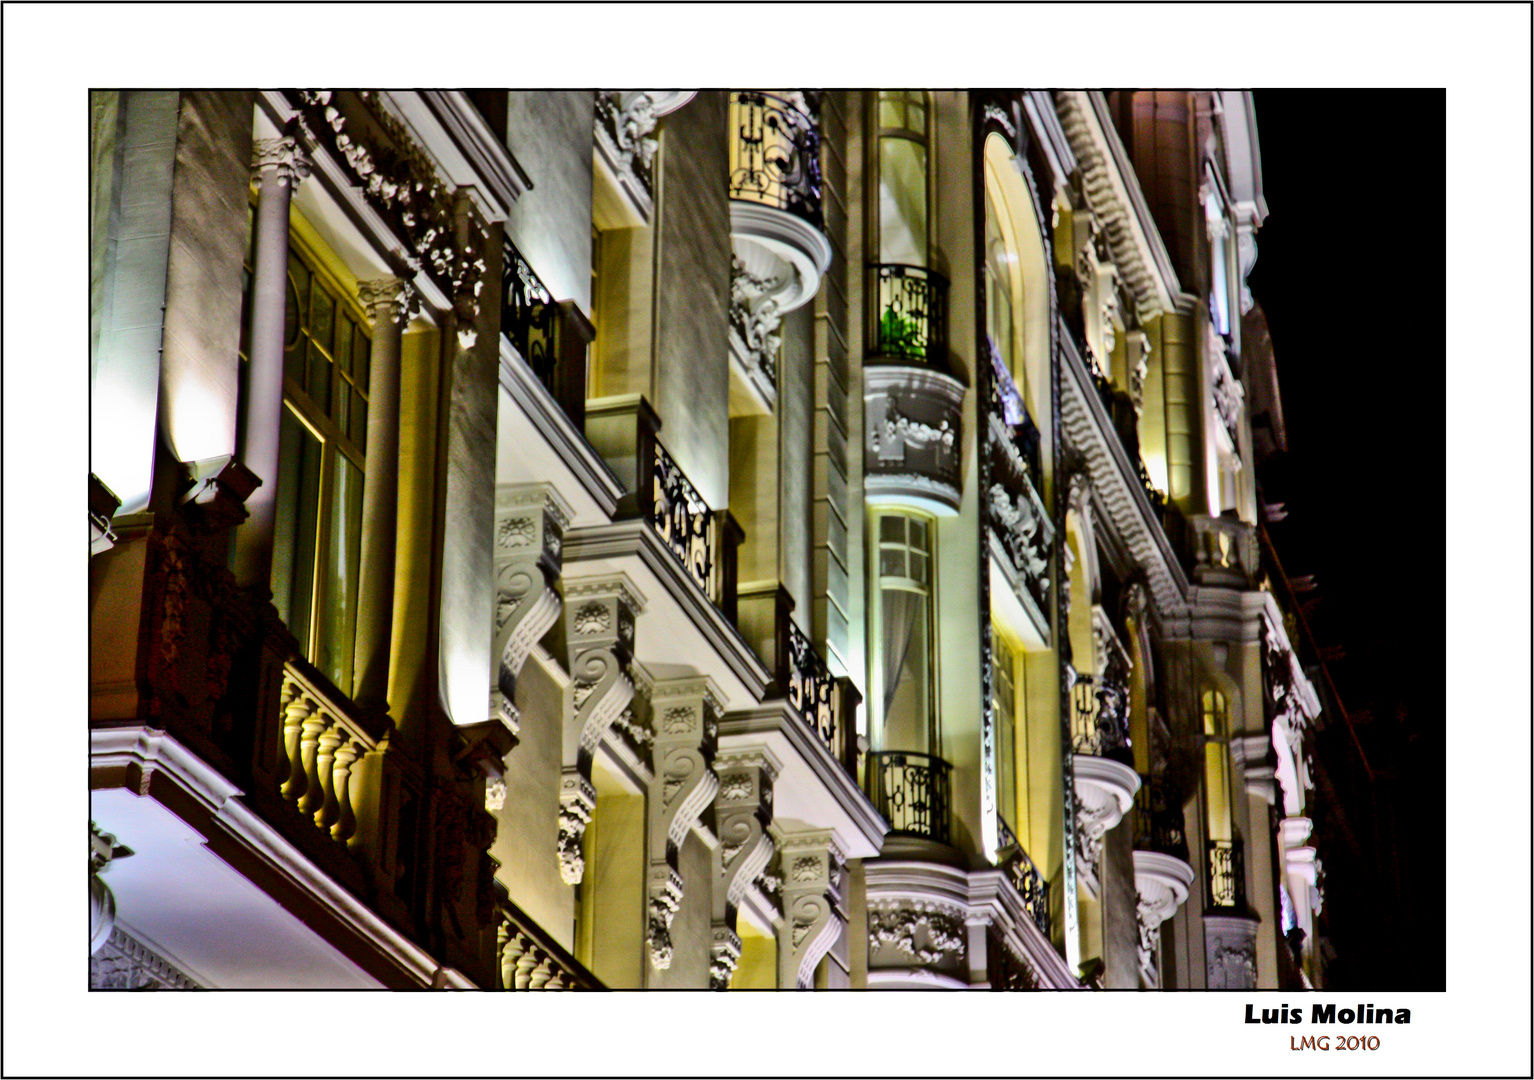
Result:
x=1226 y=866
x=914 y=420
x=625 y=431
x=912 y=792
x=912 y=307
x=1021 y=533
x=1100 y=717
x=551 y=336
x=776 y=227
x=529 y=959
x=1224 y=552
x=323 y=737
x=1158 y=823
x=1031 y=886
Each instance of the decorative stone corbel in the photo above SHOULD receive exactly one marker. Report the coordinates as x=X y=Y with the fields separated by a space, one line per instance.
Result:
x=530 y=521
x=103 y=849
x=685 y=719
x=812 y=916
x=599 y=631
x=755 y=316
x=1105 y=790
x=742 y=812
x=1161 y=885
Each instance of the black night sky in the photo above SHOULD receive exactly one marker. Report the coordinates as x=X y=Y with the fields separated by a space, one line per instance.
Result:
x=1350 y=272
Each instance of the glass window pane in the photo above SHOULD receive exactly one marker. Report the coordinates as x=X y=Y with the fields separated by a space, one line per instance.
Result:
x=891 y=115
x=918 y=568
x=902 y=201
x=298 y=487
x=907 y=641
x=343 y=353
x=918 y=534
x=318 y=381
x=892 y=527
x=360 y=358
x=357 y=429
x=321 y=315
x=892 y=563
x=293 y=351
x=916 y=113
x=338 y=574
x=341 y=390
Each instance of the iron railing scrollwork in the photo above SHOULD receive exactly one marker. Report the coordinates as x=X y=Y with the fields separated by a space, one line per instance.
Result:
x=529 y=315
x=911 y=791
x=1031 y=886
x=1099 y=716
x=811 y=688
x=1156 y=496
x=681 y=517
x=775 y=152
x=1227 y=875
x=1158 y=823
x=913 y=315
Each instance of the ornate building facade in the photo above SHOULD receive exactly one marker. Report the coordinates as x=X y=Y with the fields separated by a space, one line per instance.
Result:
x=657 y=539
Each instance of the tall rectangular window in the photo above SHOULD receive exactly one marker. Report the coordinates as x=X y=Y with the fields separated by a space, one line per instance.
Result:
x=1216 y=765
x=905 y=646
x=317 y=549
x=1004 y=688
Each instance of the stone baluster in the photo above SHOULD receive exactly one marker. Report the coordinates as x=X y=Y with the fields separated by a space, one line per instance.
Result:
x=599 y=632
x=530 y=521
x=330 y=741
x=278 y=165
x=742 y=812
x=309 y=755
x=387 y=302
x=345 y=825
x=812 y=916
x=685 y=718
x=295 y=710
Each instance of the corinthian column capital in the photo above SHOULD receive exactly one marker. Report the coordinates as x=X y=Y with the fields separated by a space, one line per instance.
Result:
x=387 y=300
x=285 y=155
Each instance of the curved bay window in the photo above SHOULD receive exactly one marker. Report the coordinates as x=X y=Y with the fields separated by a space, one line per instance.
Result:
x=317 y=547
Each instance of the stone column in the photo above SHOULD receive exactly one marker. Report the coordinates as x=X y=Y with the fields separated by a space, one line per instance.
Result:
x=742 y=812
x=387 y=302
x=599 y=631
x=278 y=165
x=813 y=919
x=685 y=717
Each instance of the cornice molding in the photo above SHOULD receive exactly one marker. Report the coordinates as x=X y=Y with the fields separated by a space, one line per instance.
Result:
x=1113 y=193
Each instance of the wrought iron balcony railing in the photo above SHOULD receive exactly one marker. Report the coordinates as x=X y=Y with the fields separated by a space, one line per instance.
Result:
x=827 y=705
x=1158 y=823
x=775 y=152
x=1227 y=875
x=1031 y=886
x=912 y=311
x=529 y=959
x=705 y=541
x=1099 y=716
x=550 y=335
x=911 y=791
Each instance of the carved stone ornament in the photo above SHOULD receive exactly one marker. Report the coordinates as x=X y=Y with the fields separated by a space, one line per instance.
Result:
x=577 y=801
x=388 y=300
x=812 y=915
x=993 y=112
x=283 y=155
x=527 y=569
x=926 y=935
x=1105 y=790
x=1230 y=952
x=756 y=315
x=914 y=424
x=625 y=120
x=684 y=784
x=1161 y=886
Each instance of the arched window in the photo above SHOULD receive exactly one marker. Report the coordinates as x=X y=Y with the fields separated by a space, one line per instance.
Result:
x=1016 y=272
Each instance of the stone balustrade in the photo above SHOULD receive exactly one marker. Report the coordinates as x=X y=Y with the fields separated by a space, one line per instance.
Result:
x=323 y=737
